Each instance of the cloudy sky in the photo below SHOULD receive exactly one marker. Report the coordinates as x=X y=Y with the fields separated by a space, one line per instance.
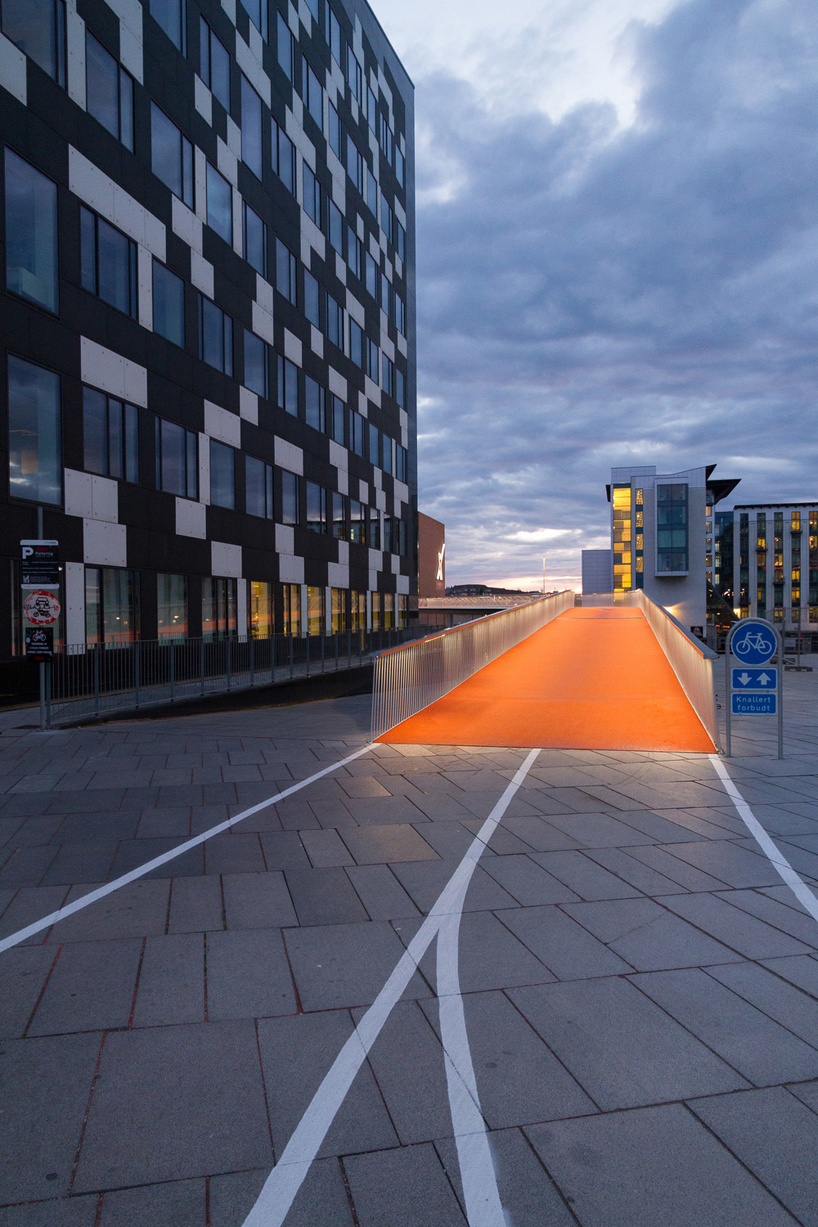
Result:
x=617 y=260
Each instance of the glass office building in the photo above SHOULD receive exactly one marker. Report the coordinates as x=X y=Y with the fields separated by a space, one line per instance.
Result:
x=208 y=317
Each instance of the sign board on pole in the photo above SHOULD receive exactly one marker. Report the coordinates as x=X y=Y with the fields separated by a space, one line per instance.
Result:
x=40 y=564
x=39 y=641
x=754 y=704
x=754 y=688
x=755 y=679
x=41 y=607
x=754 y=642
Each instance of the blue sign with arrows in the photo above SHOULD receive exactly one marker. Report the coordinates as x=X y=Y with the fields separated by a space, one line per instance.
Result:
x=755 y=679
x=753 y=642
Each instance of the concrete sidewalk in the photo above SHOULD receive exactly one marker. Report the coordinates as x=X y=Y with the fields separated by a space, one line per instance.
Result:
x=641 y=989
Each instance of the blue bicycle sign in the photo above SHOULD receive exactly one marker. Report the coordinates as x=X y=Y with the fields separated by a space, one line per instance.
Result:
x=753 y=642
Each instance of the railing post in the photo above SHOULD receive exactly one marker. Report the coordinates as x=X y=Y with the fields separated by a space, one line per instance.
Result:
x=290 y=642
x=336 y=637
x=96 y=679
x=252 y=664
x=229 y=659
x=172 y=647
x=308 y=651
x=136 y=674
x=323 y=649
x=201 y=665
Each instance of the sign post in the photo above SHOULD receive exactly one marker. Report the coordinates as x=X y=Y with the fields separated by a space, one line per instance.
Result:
x=754 y=686
x=40 y=587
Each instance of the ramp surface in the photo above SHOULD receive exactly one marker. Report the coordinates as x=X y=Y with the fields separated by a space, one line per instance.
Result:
x=591 y=679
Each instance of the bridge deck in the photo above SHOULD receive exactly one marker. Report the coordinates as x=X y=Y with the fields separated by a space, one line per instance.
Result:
x=591 y=679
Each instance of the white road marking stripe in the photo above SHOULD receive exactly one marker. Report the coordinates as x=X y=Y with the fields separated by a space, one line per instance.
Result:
x=480 y=1192
x=776 y=858
x=109 y=887
x=282 y=1185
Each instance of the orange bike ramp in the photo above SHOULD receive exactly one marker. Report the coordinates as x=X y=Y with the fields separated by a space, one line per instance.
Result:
x=593 y=679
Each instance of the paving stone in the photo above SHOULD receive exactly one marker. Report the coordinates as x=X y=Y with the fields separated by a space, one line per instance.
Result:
x=22 y=907
x=793 y=1009
x=88 y=827
x=87 y=801
x=257 y=901
x=284 y=850
x=321 y=1198
x=195 y=905
x=599 y=830
x=501 y=841
x=323 y=896
x=296 y=1054
x=567 y=950
x=618 y=1170
x=182 y=1203
x=733 y=865
x=27 y=866
x=48 y=1082
x=378 y=845
x=585 y=876
x=171 y=981
x=646 y=880
x=764 y=1052
x=664 y=829
x=776 y=1136
x=68 y=1212
x=489 y=955
x=646 y=1058
x=611 y=919
x=248 y=975
x=402 y=1188
x=91 y=988
x=424 y=881
x=345 y=965
x=380 y=892
x=88 y=862
x=34 y=831
x=377 y=811
x=526 y=881
x=138 y=1132
x=440 y=806
x=137 y=910
x=743 y=932
x=133 y=854
x=797 y=923
x=519 y=1080
x=326 y=848
x=801 y=970
x=23 y=972
x=450 y=840
x=234 y=853
x=527 y=1193
x=677 y=871
x=170 y=823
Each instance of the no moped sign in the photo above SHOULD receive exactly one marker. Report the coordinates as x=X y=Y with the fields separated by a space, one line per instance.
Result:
x=41 y=607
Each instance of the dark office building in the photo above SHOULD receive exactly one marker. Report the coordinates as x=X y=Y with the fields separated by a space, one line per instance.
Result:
x=207 y=317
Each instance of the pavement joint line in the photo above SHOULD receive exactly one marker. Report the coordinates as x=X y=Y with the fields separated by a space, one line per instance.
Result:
x=84 y=901
x=282 y=1185
x=776 y=858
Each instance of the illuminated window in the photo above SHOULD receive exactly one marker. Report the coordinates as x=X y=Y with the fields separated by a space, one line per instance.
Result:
x=671 y=528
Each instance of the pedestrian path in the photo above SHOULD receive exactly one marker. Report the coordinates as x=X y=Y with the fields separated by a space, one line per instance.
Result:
x=591 y=679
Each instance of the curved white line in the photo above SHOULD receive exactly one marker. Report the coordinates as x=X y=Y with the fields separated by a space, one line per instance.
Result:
x=282 y=1185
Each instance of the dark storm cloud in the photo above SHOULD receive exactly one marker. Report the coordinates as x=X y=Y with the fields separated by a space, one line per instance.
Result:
x=591 y=296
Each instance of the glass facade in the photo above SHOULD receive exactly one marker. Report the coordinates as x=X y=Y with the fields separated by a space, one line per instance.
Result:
x=671 y=528
x=111 y=606
x=219 y=608
x=35 y=454
x=171 y=606
x=32 y=265
x=622 y=538
x=260 y=615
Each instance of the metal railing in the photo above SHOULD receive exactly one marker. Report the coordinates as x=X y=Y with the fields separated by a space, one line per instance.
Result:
x=689 y=658
x=89 y=681
x=407 y=679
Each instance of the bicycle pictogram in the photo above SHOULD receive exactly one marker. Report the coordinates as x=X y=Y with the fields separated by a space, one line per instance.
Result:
x=753 y=642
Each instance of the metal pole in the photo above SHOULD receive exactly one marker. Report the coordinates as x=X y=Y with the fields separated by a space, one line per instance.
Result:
x=42 y=696
x=308 y=649
x=780 y=697
x=172 y=671
x=201 y=664
x=48 y=694
x=252 y=664
x=229 y=660
x=136 y=674
x=728 y=698
x=96 y=679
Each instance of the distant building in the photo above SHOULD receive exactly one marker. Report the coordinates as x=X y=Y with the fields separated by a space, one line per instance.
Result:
x=597 y=571
x=431 y=556
x=662 y=535
x=771 y=570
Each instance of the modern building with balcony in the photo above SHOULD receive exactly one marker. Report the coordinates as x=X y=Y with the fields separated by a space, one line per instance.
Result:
x=207 y=317
x=772 y=566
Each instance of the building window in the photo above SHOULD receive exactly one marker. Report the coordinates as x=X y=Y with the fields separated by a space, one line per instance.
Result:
x=316 y=610
x=371 y=109
x=170 y=15
x=32 y=265
x=339 y=516
x=222 y=475
x=356 y=343
x=108 y=263
x=315 y=403
x=386 y=138
x=261 y=610
x=286 y=273
x=374 y=445
x=671 y=528
x=287 y=385
x=355 y=76
x=386 y=462
x=111 y=606
x=332 y=33
x=171 y=606
x=338 y=413
x=250 y=127
x=256 y=364
x=290 y=498
x=108 y=91
x=357 y=434
x=357 y=521
x=621 y=500
x=283 y=157
x=219 y=204
x=374 y=528
x=355 y=252
x=214 y=62
x=400 y=240
x=37 y=27
x=334 y=130
x=215 y=336
x=335 y=227
x=371 y=276
x=177 y=463
x=219 y=603
x=338 y=598
x=400 y=167
x=291 y=600
x=400 y=387
x=388 y=376
x=256 y=10
x=386 y=217
x=258 y=486
x=168 y=304
x=400 y=314
x=285 y=49
x=35 y=453
x=372 y=360
x=372 y=193
x=316 y=508
x=110 y=433
x=312 y=92
x=312 y=299
x=355 y=164
x=255 y=240
x=401 y=462
x=171 y=156
x=312 y=195
x=335 y=322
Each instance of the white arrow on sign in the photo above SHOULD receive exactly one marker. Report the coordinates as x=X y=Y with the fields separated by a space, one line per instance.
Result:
x=764 y=678
x=744 y=678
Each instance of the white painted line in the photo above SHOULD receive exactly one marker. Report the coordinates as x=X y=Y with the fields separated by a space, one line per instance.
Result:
x=776 y=858
x=110 y=887
x=480 y=1192
x=282 y=1185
